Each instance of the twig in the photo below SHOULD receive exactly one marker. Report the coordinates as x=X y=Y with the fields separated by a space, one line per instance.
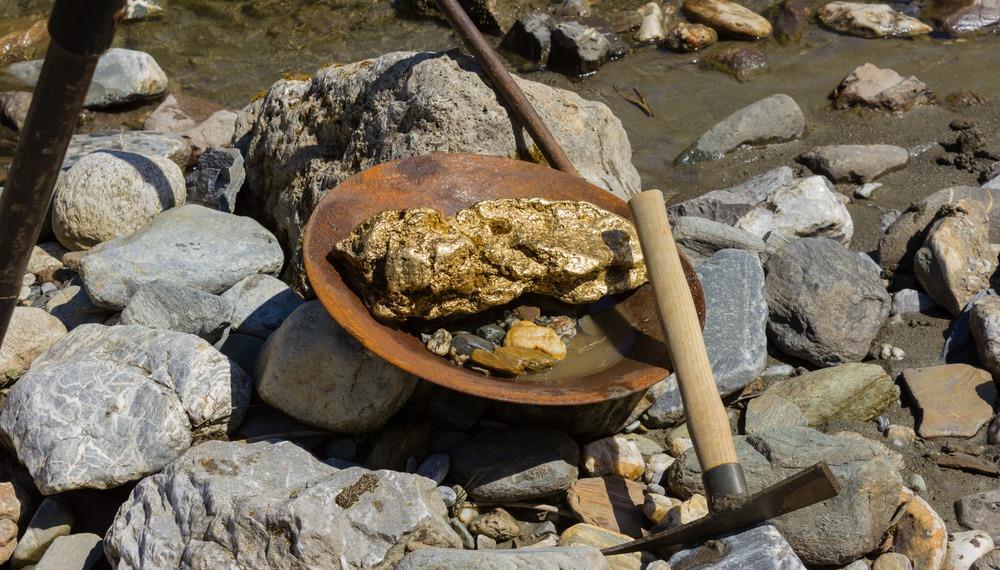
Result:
x=639 y=100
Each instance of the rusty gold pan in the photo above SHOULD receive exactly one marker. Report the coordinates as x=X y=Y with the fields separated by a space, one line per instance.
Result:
x=451 y=182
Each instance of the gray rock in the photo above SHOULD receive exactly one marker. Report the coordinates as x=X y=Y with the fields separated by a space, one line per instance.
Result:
x=774 y=119
x=993 y=431
x=728 y=205
x=993 y=184
x=771 y=410
x=554 y=558
x=760 y=548
x=838 y=530
x=193 y=245
x=516 y=465
x=122 y=76
x=30 y=333
x=700 y=238
x=142 y=397
x=262 y=505
x=314 y=371
x=14 y=108
x=970 y=18
x=167 y=145
x=984 y=325
x=735 y=329
x=857 y=163
x=865 y=190
x=805 y=207
x=74 y=552
x=911 y=301
x=989 y=562
x=216 y=179
x=826 y=303
x=52 y=520
x=578 y=49
x=980 y=511
x=870 y=20
x=435 y=467
x=73 y=307
x=260 y=304
x=167 y=305
x=377 y=104
x=108 y=194
x=141 y=9
x=870 y=86
x=214 y=132
x=892 y=561
x=530 y=37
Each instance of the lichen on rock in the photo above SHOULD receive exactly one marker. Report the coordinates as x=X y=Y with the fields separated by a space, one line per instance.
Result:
x=420 y=263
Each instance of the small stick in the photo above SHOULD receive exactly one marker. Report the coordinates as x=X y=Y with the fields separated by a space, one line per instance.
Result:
x=639 y=100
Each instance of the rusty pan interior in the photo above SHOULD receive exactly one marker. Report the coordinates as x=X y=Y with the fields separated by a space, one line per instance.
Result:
x=451 y=182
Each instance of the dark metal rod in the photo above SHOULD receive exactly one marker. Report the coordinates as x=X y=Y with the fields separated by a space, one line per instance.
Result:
x=81 y=32
x=505 y=85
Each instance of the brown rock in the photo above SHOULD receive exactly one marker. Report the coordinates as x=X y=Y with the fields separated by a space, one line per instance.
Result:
x=512 y=361
x=870 y=86
x=16 y=505
x=656 y=506
x=738 y=61
x=956 y=260
x=956 y=400
x=870 y=20
x=790 y=19
x=729 y=19
x=688 y=511
x=22 y=38
x=610 y=502
x=598 y=537
x=920 y=533
x=498 y=525
x=526 y=334
x=690 y=37
x=614 y=455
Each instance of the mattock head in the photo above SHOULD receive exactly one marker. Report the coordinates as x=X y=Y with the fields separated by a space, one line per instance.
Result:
x=808 y=487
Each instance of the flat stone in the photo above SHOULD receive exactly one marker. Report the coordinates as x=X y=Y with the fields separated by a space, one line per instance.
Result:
x=769 y=410
x=700 y=238
x=73 y=307
x=52 y=520
x=735 y=330
x=920 y=533
x=774 y=119
x=806 y=207
x=580 y=557
x=185 y=388
x=73 y=552
x=964 y=548
x=261 y=303
x=956 y=260
x=331 y=517
x=597 y=537
x=193 y=245
x=892 y=561
x=980 y=511
x=148 y=143
x=870 y=86
x=614 y=455
x=516 y=465
x=313 y=370
x=729 y=19
x=870 y=20
x=613 y=503
x=955 y=400
x=216 y=179
x=984 y=325
x=167 y=305
x=30 y=333
x=826 y=303
x=857 y=163
x=728 y=205
x=761 y=547
x=122 y=76
x=838 y=530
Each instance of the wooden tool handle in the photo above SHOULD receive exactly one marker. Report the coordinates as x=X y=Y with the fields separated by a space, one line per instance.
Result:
x=706 y=416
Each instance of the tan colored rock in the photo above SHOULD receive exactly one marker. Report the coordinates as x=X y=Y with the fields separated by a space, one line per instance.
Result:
x=651 y=29
x=526 y=334
x=598 y=537
x=690 y=37
x=984 y=324
x=956 y=400
x=920 y=533
x=892 y=561
x=871 y=86
x=512 y=361
x=419 y=263
x=610 y=502
x=31 y=332
x=870 y=20
x=729 y=18
x=656 y=507
x=16 y=505
x=688 y=511
x=22 y=38
x=45 y=257
x=497 y=524
x=614 y=455
x=905 y=435
x=956 y=260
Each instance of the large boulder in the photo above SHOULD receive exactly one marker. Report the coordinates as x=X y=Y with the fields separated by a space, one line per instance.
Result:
x=31 y=332
x=827 y=304
x=140 y=398
x=316 y=372
x=835 y=531
x=109 y=194
x=264 y=505
x=193 y=245
x=305 y=137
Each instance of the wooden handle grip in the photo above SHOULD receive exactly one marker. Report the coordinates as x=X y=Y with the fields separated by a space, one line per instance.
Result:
x=706 y=415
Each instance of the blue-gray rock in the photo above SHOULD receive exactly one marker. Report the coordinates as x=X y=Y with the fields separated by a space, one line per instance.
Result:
x=274 y=506
x=193 y=245
x=728 y=205
x=448 y=495
x=735 y=329
x=122 y=76
x=516 y=465
x=463 y=343
x=261 y=303
x=760 y=548
x=435 y=467
x=553 y=558
x=73 y=552
x=492 y=333
x=831 y=533
x=771 y=120
x=216 y=179
x=150 y=143
x=980 y=511
x=911 y=301
x=826 y=303
x=167 y=305
x=960 y=346
x=140 y=398
x=241 y=349
x=701 y=237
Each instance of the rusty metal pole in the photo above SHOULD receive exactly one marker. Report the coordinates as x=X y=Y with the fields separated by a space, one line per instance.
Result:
x=505 y=85
x=81 y=31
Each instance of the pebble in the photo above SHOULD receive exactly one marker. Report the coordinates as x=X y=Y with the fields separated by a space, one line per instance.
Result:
x=497 y=524
x=526 y=334
x=492 y=333
x=613 y=456
x=900 y=436
x=791 y=18
x=656 y=506
x=435 y=467
x=651 y=30
x=440 y=342
x=964 y=548
x=73 y=552
x=31 y=333
x=468 y=541
x=656 y=489
x=512 y=361
x=871 y=86
x=683 y=36
x=14 y=108
x=956 y=260
x=980 y=511
x=729 y=19
x=911 y=301
x=656 y=466
x=888 y=352
x=881 y=423
x=916 y=482
x=590 y=535
x=688 y=511
x=984 y=325
x=484 y=542
x=870 y=20
x=463 y=343
x=739 y=61
x=466 y=514
x=778 y=371
x=920 y=532
x=52 y=520
x=892 y=561
x=530 y=37
x=448 y=495
x=142 y=9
